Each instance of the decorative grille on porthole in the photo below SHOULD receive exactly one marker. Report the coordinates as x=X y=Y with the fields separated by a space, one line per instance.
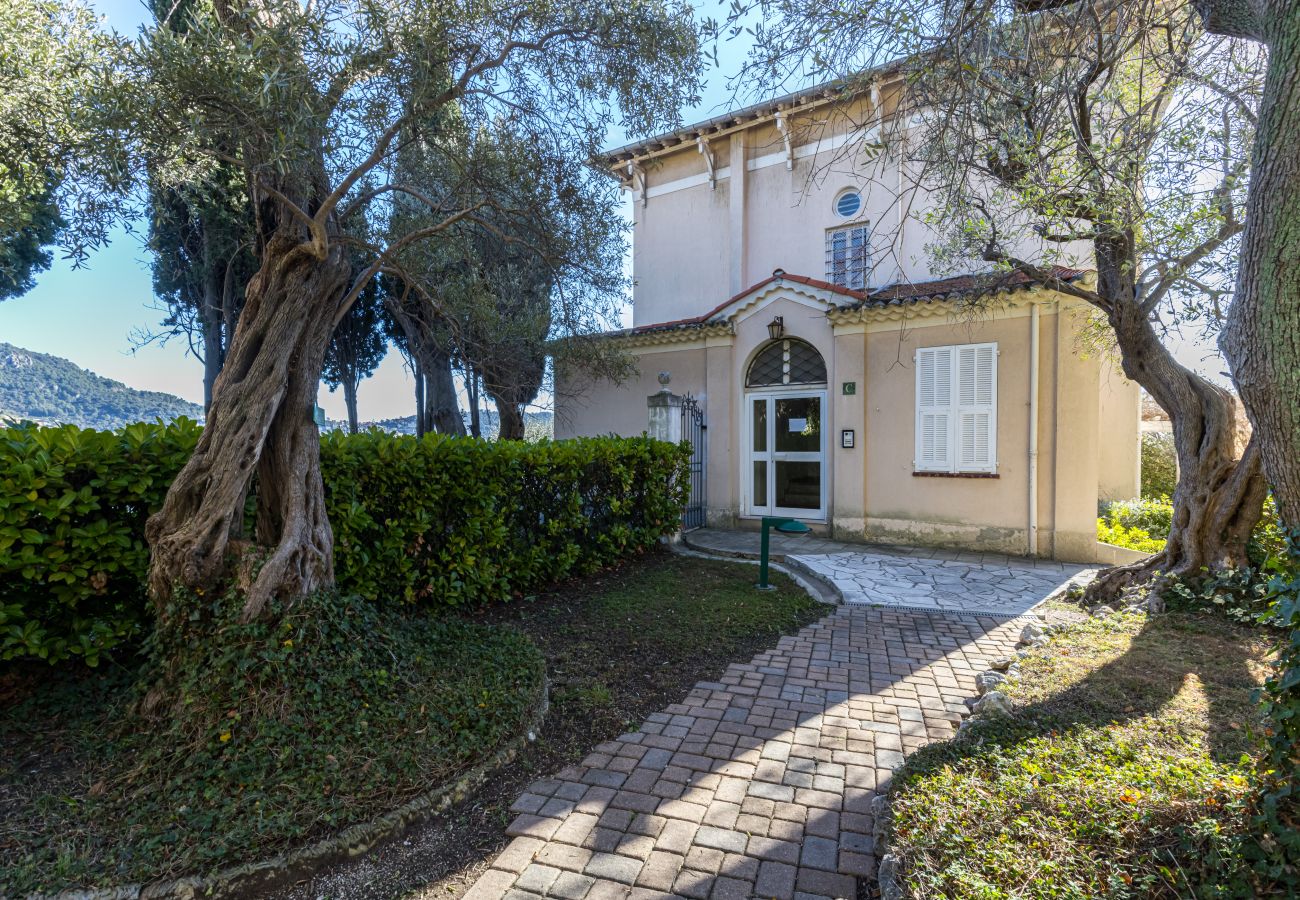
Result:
x=787 y=361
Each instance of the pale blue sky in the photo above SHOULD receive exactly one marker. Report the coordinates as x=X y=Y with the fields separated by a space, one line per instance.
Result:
x=89 y=314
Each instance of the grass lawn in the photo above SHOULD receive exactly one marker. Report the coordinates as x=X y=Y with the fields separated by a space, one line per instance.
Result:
x=285 y=735
x=619 y=645
x=626 y=643
x=1125 y=772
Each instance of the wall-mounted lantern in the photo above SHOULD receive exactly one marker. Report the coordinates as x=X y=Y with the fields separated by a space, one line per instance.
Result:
x=776 y=328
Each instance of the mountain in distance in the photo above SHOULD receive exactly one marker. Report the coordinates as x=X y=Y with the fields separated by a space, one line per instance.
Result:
x=537 y=424
x=51 y=390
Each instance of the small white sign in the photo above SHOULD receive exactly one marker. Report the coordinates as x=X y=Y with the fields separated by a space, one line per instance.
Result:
x=798 y=425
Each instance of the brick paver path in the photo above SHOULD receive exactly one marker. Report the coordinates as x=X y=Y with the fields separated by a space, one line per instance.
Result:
x=758 y=785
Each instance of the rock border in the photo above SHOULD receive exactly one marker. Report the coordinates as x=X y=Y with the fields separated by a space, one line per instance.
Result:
x=278 y=871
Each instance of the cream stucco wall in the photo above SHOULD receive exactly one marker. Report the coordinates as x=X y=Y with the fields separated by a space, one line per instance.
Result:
x=1121 y=435
x=585 y=407
x=873 y=492
x=985 y=512
x=698 y=241
x=680 y=250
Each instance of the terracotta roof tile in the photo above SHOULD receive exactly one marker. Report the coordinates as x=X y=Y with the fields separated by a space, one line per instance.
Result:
x=911 y=292
x=891 y=295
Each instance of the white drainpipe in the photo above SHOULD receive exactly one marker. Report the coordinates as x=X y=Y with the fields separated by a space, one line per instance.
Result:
x=1033 y=429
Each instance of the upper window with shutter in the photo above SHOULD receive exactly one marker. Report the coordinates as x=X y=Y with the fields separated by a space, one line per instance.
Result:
x=957 y=408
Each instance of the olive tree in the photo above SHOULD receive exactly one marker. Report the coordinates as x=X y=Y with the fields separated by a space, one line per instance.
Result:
x=500 y=293
x=1262 y=336
x=54 y=65
x=1104 y=134
x=313 y=104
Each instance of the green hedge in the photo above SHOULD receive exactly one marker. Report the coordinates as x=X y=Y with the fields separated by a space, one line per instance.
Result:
x=434 y=520
x=446 y=520
x=73 y=504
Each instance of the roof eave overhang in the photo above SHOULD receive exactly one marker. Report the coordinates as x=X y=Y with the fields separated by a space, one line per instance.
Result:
x=665 y=337
x=819 y=95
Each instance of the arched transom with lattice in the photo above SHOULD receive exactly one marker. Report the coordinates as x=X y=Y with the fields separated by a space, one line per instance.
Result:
x=787 y=361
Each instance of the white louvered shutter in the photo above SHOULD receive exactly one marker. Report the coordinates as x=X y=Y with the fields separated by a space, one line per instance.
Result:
x=976 y=412
x=934 y=409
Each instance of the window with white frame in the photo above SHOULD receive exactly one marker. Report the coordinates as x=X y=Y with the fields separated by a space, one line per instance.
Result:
x=957 y=408
x=848 y=256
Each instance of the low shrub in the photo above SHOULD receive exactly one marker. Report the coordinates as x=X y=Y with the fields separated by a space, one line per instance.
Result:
x=434 y=520
x=328 y=714
x=1140 y=524
x=1132 y=538
x=444 y=521
x=1154 y=515
x=73 y=503
x=1159 y=464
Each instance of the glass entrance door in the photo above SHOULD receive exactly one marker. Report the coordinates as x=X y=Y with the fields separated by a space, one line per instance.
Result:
x=787 y=455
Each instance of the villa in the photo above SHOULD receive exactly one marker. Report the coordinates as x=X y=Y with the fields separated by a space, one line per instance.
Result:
x=785 y=317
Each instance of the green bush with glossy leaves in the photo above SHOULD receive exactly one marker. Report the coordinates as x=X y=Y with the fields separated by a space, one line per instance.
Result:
x=436 y=521
x=73 y=503
x=446 y=521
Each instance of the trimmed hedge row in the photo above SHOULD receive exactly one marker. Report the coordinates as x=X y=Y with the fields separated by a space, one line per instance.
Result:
x=449 y=520
x=435 y=521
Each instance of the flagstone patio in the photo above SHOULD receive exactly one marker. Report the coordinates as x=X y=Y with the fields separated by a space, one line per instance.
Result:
x=906 y=577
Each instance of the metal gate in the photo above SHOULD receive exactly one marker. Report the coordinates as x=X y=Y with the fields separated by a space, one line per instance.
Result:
x=695 y=431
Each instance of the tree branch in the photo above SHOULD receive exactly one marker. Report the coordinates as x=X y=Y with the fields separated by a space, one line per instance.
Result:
x=1233 y=18
x=319 y=237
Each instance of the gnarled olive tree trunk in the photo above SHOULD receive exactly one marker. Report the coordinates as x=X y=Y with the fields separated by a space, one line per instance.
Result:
x=1262 y=336
x=1220 y=490
x=260 y=423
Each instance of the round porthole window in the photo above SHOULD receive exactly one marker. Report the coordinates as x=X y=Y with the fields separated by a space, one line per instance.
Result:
x=848 y=204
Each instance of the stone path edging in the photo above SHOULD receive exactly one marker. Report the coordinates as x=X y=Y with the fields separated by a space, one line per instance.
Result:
x=814 y=585
x=250 y=879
